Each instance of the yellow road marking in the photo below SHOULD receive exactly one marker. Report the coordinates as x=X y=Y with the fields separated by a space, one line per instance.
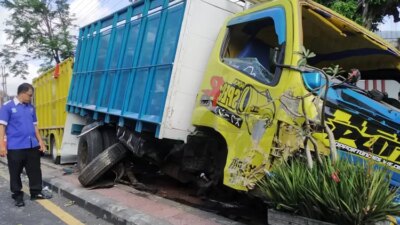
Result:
x=52 y=208
x=60 y=213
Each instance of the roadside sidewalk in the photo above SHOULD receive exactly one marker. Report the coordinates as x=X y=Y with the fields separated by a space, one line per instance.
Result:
x=123 y=204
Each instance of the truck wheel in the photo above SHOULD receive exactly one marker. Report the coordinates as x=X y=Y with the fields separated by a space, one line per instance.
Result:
x=109 y=136
x=101 y=164
x=53 y=150
x=90 y=145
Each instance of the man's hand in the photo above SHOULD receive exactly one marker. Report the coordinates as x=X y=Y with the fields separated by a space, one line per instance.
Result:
x=3 y=152
x=42 y=146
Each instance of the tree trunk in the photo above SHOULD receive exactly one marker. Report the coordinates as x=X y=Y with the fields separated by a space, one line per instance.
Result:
x=367 y=21
x=56 y=56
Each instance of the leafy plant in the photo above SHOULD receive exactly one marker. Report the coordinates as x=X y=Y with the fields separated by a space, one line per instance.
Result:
x=344 y=193
x=41 y=29
x=334 y=70
x=305 y=54
x=368 y=13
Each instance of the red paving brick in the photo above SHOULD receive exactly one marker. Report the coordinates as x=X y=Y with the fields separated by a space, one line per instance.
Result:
x=154 y=206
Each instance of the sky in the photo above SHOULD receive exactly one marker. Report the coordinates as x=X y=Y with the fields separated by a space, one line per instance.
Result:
x=87 y=11
x=389 y=25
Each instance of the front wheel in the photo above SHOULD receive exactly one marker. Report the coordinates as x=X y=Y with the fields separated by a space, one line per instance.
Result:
x=90 y=145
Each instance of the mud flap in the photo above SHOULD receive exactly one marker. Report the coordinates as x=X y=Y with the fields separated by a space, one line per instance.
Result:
x=69 y=145
x=53 y=151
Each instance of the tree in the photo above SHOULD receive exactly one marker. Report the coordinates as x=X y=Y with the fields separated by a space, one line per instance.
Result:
x=16 y=66
x=41 y=28
x=368 y=13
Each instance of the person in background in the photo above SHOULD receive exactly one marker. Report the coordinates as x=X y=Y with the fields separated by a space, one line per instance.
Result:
x=20 y=141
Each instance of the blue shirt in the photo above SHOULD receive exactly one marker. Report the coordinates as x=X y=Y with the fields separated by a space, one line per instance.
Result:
x=20 y=121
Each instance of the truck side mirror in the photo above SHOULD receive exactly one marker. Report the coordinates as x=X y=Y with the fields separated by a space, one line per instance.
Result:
x=313 y=81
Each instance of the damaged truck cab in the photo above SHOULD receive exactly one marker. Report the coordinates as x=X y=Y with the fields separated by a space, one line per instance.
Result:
x=208 y=92
x=241 y=94
x=265 y=104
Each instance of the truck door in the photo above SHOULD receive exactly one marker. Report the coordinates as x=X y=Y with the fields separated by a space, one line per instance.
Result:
x=238 y=95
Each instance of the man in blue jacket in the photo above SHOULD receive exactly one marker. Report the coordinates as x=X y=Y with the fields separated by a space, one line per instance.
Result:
x=20 y=141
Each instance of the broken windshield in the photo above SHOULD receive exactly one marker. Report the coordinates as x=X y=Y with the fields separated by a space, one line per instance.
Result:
x=250 y=43
x=252 y=67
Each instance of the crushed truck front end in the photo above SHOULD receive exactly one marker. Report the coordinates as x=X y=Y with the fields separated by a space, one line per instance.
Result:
x=365 y=123
x=247 y=98
x=256 y=95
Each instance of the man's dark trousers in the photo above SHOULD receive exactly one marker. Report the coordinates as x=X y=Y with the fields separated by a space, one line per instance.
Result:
x=30 y=159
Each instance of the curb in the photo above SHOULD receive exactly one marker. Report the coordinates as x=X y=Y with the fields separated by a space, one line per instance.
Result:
x=114 y=212
x=102 y=207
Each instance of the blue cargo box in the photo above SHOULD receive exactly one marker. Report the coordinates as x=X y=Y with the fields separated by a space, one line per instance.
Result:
x=142 y=66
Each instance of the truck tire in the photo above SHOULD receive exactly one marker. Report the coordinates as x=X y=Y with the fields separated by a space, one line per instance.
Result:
x=53 y=151
x=102 y=163
x=109 y=136
x=90 y=145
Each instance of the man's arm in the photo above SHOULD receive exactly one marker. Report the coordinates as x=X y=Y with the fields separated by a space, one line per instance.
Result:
x=37 y=134
x=3 y=146
x=39 y=138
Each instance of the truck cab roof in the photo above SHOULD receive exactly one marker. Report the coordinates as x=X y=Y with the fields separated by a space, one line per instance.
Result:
x=338 y=40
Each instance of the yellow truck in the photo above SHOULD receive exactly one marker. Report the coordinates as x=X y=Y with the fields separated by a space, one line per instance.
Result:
x=51 y=92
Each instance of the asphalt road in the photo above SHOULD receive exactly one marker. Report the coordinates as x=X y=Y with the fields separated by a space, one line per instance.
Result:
x=58 y=210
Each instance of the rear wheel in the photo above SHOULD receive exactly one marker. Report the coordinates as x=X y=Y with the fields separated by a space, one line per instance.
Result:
x=101 y=164
x=90 y=145
x=109 y=136
x=53 y=151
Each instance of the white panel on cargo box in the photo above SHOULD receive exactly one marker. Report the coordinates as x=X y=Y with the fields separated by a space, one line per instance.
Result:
x=201 y=24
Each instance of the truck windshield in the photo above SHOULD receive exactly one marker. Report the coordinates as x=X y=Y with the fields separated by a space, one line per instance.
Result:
x=250 y=43
x=252 y=67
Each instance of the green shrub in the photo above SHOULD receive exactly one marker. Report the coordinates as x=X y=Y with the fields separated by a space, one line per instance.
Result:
x=344 y=193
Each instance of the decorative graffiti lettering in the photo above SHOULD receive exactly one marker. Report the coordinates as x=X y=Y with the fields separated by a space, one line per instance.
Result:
x=229 y=116
x=252 y=100
x=239 y=84
x=216 y=83
x=236 y=120
x=229 y=96
x=367 y=155
x=250 y=71
x=239 y=165
x=380 y=145
x=368 y=139
x=238 y=101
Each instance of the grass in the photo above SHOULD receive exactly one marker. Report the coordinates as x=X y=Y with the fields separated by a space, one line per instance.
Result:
x=344 y=193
